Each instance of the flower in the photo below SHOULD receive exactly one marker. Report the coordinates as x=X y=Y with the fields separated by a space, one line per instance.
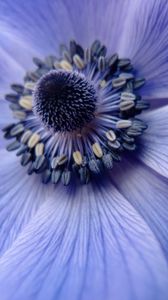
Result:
x=106 y=239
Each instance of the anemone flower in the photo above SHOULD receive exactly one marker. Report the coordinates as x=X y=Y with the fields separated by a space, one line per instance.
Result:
x=83 y=195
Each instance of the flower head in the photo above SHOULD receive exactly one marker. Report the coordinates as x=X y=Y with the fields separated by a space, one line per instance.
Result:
x=84 y=180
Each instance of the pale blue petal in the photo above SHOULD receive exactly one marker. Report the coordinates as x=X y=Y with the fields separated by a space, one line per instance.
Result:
x=5 y=113
x=147 y=192
x=11 y=71
x=42 y=24
x=46 y=24
x=20 y=198
x=103 y=20
x=145 y=41
x=87 y=243
x=154 y=142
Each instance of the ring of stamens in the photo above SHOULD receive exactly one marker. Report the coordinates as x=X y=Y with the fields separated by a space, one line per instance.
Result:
x=90 y=143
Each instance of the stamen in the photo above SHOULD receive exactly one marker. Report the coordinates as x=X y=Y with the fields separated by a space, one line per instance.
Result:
x=39 y=149
x=26 y=102
x=123 y=124
x=34 y=139
x=76 y=114
x=97 y=150
x=77 y=157
x=65 y=65
x=78 y=62
x=111 y=135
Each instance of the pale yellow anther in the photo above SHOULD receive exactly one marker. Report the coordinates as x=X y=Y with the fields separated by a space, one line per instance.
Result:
x=34 y=139
x=77 y=157
x=29 y=85
x=111 y=135
x=39 y=149
x=103 y=83
x=126 y=96
x=26 y=102
x=78 y=61
x=19 y=115
x=64 y=64
x=126 y=105
x=57 y=64
x=62 y=160
x=121 y=124
x=26 y=135
x=97 y=150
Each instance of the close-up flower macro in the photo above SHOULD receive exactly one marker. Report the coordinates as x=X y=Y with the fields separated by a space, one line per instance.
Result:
x=84 y=150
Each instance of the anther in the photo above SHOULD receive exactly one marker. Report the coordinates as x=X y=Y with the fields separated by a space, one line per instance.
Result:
x=101 y=64
x=26 y=102
x=25 y=159
x=29 y=85
x=107 y=161
x=20 y=115
x=111 y=135
x=39 y=149
x=97 y=150
x=34 y=139
x=13 y=146
x=62 y=160
x=55 y=176
x=138 y=83
x=126 y=105
x=122 y=124
x=118 y=82
x=126 y=96
x=78 y=61
x=17 y=129
x=25 y=137
x=64 y=64
x=77 y=157
x=18 y=88
x=66 y=177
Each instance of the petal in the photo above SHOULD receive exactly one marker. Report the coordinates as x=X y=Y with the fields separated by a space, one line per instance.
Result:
x=20 y=198
x=41 y=24
x=46 y=24
x=154 y=143
x=82 y=244
x=98 y=20
x=147 y=193
x=11 y=71
x=145 y=41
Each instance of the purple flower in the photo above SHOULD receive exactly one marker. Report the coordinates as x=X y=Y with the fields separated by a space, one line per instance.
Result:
x=101 y=231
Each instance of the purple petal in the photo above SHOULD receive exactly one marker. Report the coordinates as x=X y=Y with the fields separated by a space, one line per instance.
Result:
x=83 y=243
x=145 y=41
x=41 y=24
x=45 y=24
x=11 y=71
x=103 y=20
x=20 y=198
x=154 y=143
x=147 y=193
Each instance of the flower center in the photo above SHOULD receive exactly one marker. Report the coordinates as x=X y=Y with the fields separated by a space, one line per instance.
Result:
x=77 y=114
x=64 y=101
